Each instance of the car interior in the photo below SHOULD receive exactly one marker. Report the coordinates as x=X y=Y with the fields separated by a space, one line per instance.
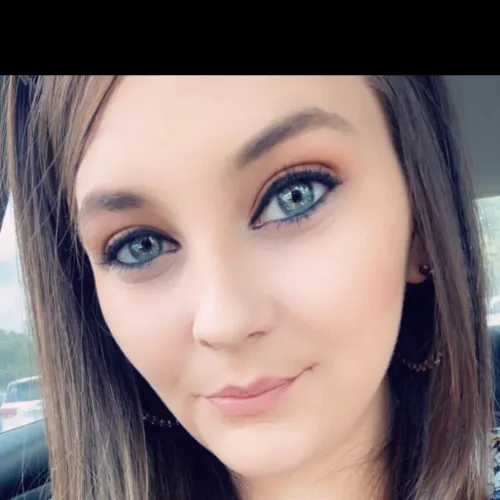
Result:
x=24 y=468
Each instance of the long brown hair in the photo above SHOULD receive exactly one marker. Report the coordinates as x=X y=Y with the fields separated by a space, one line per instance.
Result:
x=95 y=400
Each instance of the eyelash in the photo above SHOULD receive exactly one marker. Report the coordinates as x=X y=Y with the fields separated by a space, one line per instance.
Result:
x=113 y=248
x=292 y=177
x=307 y=176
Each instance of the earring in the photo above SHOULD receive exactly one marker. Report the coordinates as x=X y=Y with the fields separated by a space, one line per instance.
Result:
x=159 y=422
x=426 y=270
x=431 y=362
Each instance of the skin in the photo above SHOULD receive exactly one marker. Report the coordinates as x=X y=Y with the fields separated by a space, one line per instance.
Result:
x=321 y=298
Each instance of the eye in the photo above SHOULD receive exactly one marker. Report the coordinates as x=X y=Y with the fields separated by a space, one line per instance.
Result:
x=138 y=248
x=293 y=196
x=293 y=201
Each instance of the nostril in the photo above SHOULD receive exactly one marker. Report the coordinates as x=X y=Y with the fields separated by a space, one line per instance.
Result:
x=256 y=335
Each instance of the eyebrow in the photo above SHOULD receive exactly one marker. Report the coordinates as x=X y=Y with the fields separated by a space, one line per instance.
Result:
x=114 y=201
x=272 y=136
x=288 y=127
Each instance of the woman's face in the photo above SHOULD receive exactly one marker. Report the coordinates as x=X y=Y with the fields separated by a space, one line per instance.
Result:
x=250 y=240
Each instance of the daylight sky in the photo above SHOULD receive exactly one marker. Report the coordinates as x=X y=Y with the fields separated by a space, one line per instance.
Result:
x=12 y=314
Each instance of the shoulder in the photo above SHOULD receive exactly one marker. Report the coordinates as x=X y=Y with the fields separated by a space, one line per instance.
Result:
x=496 y=463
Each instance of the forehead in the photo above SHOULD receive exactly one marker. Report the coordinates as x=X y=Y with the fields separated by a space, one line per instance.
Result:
x=158 y=121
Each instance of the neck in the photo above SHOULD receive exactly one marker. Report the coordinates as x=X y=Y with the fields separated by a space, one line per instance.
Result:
x=354 y=468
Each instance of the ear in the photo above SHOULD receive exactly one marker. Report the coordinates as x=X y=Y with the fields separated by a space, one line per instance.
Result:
x=417 y=261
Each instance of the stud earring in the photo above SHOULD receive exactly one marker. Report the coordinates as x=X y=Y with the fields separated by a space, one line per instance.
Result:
x=426 y=270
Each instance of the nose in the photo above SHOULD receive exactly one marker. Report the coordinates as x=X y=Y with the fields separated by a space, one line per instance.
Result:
x=231 y=307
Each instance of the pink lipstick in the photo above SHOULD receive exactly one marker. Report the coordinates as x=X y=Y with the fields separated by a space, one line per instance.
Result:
x=258 y=397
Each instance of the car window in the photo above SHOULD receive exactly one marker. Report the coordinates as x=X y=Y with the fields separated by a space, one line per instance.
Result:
x=495 y=307
x=20 y=402
x=489 y=214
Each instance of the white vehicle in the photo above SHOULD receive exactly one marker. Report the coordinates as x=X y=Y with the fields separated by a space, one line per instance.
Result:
x=22 y=404
x=494 y=311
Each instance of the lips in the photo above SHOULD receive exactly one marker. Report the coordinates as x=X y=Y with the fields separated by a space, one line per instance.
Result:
x=256 y=388
x=260 y=396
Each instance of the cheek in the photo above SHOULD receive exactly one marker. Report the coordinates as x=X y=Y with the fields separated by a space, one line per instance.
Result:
x=146 y=327
x=344 y=286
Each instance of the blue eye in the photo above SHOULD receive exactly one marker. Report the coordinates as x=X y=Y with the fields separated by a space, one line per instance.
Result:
x=293 y=197
x=138 y=248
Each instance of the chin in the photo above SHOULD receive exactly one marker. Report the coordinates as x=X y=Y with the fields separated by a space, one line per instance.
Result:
x=263 y=449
